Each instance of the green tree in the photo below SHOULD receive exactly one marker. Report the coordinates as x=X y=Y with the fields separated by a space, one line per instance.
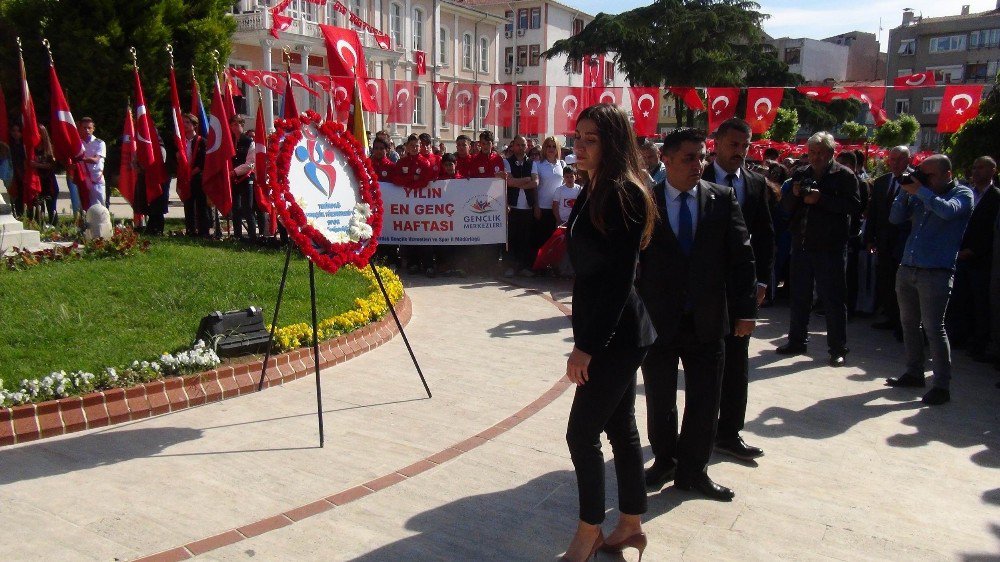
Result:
x=899 y=131
x=853 y=132
x=979 y=136
x=90 y=43
x=785 y=126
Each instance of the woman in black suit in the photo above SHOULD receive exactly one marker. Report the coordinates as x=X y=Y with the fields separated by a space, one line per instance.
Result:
x=611 y=221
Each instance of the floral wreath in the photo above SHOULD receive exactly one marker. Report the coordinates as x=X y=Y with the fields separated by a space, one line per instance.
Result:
x=365 y=226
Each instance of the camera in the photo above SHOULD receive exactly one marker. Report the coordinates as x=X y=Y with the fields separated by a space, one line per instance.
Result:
x=916 y=176
x=807 y=186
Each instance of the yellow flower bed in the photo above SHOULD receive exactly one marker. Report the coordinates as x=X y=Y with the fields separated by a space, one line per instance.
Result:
x=368 y=309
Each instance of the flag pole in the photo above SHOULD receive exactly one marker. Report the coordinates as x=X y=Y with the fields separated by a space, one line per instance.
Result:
x=215 y=210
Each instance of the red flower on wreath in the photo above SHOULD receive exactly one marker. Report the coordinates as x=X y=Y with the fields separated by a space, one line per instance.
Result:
x=281 y=144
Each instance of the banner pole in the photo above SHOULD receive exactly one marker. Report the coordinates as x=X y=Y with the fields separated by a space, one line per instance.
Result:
x=399 y=325
x=274 y=318
x=319 y=388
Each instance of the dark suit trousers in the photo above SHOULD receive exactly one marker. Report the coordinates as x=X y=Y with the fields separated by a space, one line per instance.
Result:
x=968 y=317
x=703 y=363
x=607 y=403
x=735 y=385
x=197 y=215
x=827 y=269
x=885 y=283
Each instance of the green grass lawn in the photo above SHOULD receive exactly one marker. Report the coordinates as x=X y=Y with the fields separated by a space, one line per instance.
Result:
x=91 y=314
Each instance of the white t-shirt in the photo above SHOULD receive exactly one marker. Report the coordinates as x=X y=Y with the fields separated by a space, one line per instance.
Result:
x=550 y=177
x=522 y=200
x=566 y=196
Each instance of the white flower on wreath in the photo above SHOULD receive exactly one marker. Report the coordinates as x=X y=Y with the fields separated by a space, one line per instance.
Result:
x=359 y=229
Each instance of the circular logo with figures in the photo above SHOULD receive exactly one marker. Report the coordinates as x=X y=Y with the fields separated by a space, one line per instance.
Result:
x=325 y=191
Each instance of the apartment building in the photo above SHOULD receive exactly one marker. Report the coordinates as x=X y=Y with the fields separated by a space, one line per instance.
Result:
x=960 y=49
x=817 y=61
x=864 y=61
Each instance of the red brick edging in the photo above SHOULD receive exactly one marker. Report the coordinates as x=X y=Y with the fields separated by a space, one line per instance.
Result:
x=29 y=422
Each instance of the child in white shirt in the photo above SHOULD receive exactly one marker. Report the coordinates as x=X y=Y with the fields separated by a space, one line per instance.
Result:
x=565 y=195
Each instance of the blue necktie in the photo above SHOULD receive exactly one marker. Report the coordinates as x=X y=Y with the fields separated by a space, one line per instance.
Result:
x=685 y=225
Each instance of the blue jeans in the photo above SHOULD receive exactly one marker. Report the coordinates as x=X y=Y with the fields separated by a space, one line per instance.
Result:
x=74 y=194
x=923 y=298
x=828 y=271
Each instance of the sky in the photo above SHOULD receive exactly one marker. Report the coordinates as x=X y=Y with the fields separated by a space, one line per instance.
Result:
x=818 y=19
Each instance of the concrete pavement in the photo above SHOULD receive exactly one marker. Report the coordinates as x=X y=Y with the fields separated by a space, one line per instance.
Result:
x=853 y=470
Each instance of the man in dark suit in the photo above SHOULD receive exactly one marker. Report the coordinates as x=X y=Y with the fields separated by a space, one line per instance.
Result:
x=968 y=318
x=885 y=239
x=732 y=141
x=824 y=196
x=697 y=270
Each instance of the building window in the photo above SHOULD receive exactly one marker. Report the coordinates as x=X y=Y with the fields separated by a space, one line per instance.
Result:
x=522 y=55
x=442 y=124
x=508 y=58
x=793 y=55
x=902 y=106
x=509 y=16
x=929 y=139
x=396 y=25
x=947 y=74
x=947 y=44
x=576 y=66
x=418 y=29
x=484 y=106
x=904 y=72
x=418 y=106
x=536 y=18
x=522 y=18
x=534 y=53
x=467 y=51
x=609 y=72
x=484 y=55
x=986 y=38
x=976 y=72
x=443 y=47
x=577 y=26
x=931 y=106
x=908 y=47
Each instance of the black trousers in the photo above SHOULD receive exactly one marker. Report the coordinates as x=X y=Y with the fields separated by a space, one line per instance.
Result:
x=826 y=270
x=735 y=386
x=243 y=210
x=968 y=316
x=690 y=449
x=607 y=403
x=197 y=215
x=520 y=229
x=885 y=286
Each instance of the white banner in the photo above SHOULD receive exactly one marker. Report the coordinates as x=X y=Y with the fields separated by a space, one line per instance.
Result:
x=462 y=212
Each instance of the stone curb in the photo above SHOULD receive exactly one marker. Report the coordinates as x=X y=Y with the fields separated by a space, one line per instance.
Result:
x=29 y=422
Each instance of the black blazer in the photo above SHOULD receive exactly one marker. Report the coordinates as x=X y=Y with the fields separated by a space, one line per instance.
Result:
x=826 y=225
x=606 y=307
x=717 y=279
x=888 y=238
x=979 y=234
x=757 y=216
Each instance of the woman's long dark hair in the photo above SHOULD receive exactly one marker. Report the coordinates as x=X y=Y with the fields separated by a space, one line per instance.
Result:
x=620 y=163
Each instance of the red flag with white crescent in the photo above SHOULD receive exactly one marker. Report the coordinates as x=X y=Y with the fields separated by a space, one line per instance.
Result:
x=227 y=96
x=249 y=77
x=874 y=98
x=127 y=172
x=289 y=109
x=816 y=93
x=420 y=60
x=274 y=81
x=148 y=145
x=462 y=109
x=918 y=80
x=401 y=110
x=219 y=152
x=593 y=71
x=261 y=196
x=501 y=109
x=645 y=109
x=66 y=143
x=441 y=93
x=569 y=104
x=721 y=105
x=614 y=96
x=342 y=94
x=299 y=81
x=183 y=168
x=345 y=57
x=280 y=23
x=762 y=107
x=534 y=109
x=959 y=104
x=689 y=95
x=374 y=96
x=31 y=186
x=382 y=40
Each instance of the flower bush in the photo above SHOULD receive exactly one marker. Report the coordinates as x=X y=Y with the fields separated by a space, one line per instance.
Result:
x=125 y=242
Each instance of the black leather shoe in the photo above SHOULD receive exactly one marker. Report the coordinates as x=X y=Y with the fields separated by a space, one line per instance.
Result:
x=738 y=448
x=838 y=360
x=936 y=397
x=791 y=349
x=703 y=484
x=658 y=475
x=906 y=381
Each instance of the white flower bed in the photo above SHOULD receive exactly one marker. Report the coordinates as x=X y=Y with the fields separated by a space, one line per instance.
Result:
x=61 y=384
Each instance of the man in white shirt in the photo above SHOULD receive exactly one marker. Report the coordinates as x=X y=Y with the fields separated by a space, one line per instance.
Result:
x=94 y=154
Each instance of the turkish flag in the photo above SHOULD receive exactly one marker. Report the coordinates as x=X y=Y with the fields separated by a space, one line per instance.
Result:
x=260 y=191
x=274 y=81
x=227 y=96
x=289 y=109
x=918 y=80
x=593 y=71
x=66 y=143
x=534 y=109
x=299 y=81
x=614 y=96
x=645 y=109
x=30 y=138
x=382 y=40
x=219 y=153
x=689 y=95
x=248 y=77
x=441 y=93
x=874 y=98
x=126 y=171
x=569 y=103
x=323 y=81
x=501 y=110
x=279 y=23
x=462 y=109
x=721 y=105
x=959 y=104
x=401 y=110
x=342 y=93
x=816 y=93
x=420 y=58
x=148 y=146
x=345 y=57
x=762 y=107
x=183 y=168
x=374 y=96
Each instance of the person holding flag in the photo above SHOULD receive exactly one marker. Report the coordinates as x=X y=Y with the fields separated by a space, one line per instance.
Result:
x=242 y=178
x=197 y=217
x=219 y=151
x=95 y=152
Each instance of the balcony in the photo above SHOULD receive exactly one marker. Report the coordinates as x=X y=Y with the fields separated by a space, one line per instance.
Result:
x=257 y=25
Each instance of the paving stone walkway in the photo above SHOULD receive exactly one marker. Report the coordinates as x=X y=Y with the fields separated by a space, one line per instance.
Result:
x=853 y=470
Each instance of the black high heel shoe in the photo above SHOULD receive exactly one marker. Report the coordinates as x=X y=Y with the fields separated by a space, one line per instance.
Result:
x=637 y=541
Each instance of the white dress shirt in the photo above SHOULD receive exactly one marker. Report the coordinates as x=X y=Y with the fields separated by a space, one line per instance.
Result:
x=93 y=146
x=673 y=197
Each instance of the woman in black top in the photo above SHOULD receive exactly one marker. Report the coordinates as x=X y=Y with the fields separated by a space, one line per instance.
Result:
x=611 y=221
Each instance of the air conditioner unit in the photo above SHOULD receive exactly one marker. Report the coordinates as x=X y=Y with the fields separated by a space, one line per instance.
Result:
x=520 y=33
x=508 y=34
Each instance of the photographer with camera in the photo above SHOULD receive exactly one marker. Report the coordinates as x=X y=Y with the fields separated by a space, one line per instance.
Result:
x=938 y=210
x=824 y=196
